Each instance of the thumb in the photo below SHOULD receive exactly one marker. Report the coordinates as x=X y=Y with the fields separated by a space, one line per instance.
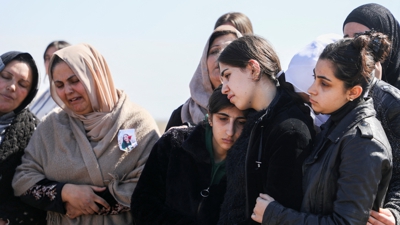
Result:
x=385 y=211
x=98 y=189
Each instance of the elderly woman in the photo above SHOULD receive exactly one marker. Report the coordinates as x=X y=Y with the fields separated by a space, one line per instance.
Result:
x=73 y=167
x=18 y=86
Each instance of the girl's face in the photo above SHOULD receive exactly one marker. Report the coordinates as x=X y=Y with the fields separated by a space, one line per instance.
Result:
x=15 y=84
x=327 y=93
x=126 y=139
x=216 y=47
x=71 y=90
x=238 y=85
x=227 y=125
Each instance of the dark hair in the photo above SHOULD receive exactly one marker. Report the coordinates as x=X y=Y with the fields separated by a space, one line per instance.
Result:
x=57 y=44
x=218 y=34
x=239 y=52
x=354 y=59
x=241 y=22
x=219 y=101
x=54 y=63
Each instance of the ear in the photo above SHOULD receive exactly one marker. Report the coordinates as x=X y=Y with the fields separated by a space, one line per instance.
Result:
x=354 y=92
x=255 y=69
x=209 y=119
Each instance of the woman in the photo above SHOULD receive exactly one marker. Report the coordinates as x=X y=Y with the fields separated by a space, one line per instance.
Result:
x=267 y=158
x=73 y=167
x=184 y=180
x=374 y=16
x=205 y=79
x=386 y=97
x=44 y=104
x=18 y=86
x=126 y=143
x=349 y=170
x=236 y=19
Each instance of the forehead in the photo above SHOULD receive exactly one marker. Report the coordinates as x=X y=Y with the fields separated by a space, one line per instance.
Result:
x=62 y=71
x=352 y=28
x=231 y=111
x=20 y=70
x=224 y=38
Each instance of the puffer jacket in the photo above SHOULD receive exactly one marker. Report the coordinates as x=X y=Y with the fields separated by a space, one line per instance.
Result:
x=387 y=105
x=345 y=177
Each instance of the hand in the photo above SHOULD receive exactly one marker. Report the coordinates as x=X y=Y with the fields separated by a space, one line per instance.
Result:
x=261 y=204
x=383 y=217
x=83 y=198
x=72 y=212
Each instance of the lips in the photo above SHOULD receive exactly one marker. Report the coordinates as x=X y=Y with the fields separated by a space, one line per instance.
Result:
x=312 y=101
x=230 y=96
x=227 y=141
x=75 y=99
x=8 y=96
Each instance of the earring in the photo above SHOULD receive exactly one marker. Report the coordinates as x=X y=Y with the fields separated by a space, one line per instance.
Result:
x=351 y=99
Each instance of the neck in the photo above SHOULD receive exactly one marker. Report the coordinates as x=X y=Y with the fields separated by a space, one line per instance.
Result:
x=219 y=155
x=264 y=94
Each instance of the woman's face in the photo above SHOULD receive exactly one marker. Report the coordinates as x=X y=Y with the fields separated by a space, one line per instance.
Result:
x=47 y=57
x=126 y=139
x=238 y=85
x=71 y=90
x=353 y=28
x=227 y=125
x=216 y=47
x=327 y=93
x=15 y=84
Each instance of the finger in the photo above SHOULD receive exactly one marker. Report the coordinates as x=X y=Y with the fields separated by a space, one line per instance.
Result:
x=386 y=212
x=98 y=189
x=101 y=201
x=373 y=221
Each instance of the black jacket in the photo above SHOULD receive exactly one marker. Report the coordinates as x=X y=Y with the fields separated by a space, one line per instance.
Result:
x=267 y=158
x=11 y=150
x=387 y=105
x=178 y=169
x=346 y=176
x=175 y=119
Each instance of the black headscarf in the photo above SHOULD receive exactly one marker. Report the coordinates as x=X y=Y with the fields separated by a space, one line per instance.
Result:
x=26 y=57
x=379 y=18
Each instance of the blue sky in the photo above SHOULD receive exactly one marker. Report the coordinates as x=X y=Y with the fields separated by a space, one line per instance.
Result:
x=154 y=47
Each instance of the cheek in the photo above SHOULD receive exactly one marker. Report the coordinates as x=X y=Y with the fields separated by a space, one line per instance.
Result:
x=211 y=61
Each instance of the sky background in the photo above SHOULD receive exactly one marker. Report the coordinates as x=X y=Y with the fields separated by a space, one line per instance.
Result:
x=154 y=47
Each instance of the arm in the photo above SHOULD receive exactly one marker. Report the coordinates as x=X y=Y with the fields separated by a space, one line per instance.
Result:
x=360 y=178
x=148 y=199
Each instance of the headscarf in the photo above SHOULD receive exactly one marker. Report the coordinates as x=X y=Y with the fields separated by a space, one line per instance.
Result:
x=300 y=71
x=379 y=18
x=10 y=56
x=6 y=58
x=92 y=70
x=194 y=109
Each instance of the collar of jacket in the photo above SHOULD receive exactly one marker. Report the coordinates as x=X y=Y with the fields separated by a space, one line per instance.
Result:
x=195 y=144
x=359 y=113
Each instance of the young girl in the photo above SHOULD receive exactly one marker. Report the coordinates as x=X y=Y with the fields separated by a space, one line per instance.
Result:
x=277 y=137
x=184 y=181
x=349 y=170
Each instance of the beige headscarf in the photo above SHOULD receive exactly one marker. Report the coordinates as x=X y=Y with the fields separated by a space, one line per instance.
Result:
x=194 y=109
x=92 y=70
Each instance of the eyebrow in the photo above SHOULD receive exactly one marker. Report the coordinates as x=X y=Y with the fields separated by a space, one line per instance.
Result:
x=224 y=114
x=223 y=71
x=26 y=81
x=321 y=76
x=68 y=79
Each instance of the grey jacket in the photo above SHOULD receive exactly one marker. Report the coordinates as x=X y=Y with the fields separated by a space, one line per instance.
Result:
x=347 y=174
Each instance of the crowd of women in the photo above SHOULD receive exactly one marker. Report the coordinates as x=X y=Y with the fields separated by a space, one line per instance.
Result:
x=317 y=144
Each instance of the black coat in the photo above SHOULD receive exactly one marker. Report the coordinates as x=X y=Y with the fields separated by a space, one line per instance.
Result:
x=267 y=158
x=175 y=119
x=11 y=150
x=178 y=169
x=346 y=176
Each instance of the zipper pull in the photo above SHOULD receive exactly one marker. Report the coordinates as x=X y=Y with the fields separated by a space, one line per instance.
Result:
x=258 y=164
x=205 y=193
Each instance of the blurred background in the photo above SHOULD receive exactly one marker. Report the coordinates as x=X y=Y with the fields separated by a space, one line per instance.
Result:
x=154 y=47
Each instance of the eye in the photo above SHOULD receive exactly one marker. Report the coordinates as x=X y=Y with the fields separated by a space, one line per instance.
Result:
x=23 y=85
x=214 y=51
x=6 y=76
x=58 y=85
x=223 y=118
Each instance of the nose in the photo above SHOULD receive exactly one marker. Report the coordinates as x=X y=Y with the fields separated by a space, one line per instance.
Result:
x=225 y=88
x=311 y=90
x=68 y=89
x=230 y=130
x=12 y=87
